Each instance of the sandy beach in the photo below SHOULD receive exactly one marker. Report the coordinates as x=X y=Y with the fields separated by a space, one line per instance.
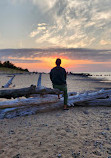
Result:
x=81 y=132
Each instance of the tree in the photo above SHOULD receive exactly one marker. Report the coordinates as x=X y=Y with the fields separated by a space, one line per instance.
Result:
x=1 y=65
x=8 y=64
x=26 y=70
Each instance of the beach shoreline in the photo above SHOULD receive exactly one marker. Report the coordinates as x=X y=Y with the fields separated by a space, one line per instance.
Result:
x=82 y=131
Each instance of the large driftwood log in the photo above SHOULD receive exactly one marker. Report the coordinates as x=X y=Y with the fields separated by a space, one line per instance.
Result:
x=95 y=102
x=79 y=98
x=29 y=101
x=14 y=93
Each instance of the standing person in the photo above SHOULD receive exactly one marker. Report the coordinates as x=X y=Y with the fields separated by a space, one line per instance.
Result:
x=58 y=78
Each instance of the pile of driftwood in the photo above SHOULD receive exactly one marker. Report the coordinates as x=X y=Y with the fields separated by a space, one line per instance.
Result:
x=38 y=95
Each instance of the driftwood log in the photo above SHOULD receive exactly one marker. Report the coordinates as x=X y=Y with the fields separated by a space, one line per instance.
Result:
x=86 y=97
x=39 y=80
x=93 y=98
x=95 y=102
x=9 y=82
x=26 y=92
x=46 y=99
x=28 y=105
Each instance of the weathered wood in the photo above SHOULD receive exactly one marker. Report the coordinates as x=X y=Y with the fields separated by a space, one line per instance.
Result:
x=72 y=93
x=28 y=101
x=14 y=93
x=29 y=110
x=9 y=82
x=79 y=98
x=96 y=102
x=39 y=80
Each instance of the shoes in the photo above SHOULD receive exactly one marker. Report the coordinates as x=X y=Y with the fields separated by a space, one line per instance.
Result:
x=65 y=107
x=58 y=96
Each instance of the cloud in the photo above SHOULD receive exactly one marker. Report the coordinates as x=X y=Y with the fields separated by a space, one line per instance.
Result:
x=58 y=23
x=74 y=24
x=104 y=42
x=42 y=24
x=33 y=33
x=40 y=27
x=24 y=61
x=93 y=67
x=44 y=4
x=97 y=60
x=30 y=55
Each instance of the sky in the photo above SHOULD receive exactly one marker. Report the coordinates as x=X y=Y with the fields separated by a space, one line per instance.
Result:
x=78 y=31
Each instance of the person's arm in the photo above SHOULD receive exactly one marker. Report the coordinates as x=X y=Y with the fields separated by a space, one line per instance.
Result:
x=65 y=74
x=51 y=75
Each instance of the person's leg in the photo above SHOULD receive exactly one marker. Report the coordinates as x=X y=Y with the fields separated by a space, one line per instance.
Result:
x=64 y=89
x=57 y=87
x=58 y=96
x=65 y=96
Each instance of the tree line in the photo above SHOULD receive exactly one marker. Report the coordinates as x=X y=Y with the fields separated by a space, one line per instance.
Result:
x=8 y=64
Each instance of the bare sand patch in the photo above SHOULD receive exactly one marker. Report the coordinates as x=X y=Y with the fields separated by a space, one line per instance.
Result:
x=83 y=132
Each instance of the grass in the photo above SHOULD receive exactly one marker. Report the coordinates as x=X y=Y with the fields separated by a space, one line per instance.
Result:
x=9 y=70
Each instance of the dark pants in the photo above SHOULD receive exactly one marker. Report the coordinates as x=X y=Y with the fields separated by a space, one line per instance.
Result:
x=64 y=89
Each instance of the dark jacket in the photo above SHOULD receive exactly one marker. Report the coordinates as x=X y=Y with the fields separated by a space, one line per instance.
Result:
x=58 y=75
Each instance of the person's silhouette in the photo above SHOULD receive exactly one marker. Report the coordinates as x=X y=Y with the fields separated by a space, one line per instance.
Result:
x=58 y=78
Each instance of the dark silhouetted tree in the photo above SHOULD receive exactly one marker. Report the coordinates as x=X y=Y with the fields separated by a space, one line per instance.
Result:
x=1 y=65
x=8 y=64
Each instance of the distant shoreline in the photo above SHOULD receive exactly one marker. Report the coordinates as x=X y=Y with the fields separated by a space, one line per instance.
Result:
x=4 y=70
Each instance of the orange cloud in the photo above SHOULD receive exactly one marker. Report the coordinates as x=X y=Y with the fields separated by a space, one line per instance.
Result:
x=47 y=63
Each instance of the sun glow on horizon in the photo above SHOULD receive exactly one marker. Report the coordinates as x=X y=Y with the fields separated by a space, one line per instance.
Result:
x=45 y=64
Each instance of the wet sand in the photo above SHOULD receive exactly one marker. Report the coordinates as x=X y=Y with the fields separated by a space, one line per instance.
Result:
x=81 y=132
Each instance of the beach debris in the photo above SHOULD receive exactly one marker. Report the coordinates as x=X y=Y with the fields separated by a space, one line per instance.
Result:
x=70 y=104
x=97 y=153
x=16 y=156
x=72 y=93
x=15 y=93
x=109 y=151
x=98 y=144
x=34 y=97
x=1 y=151
x=104 y=134
x=86 y=112
x=59 y=155
x=39 y=80
x=94 y=97
x=40 y=143
x=75 y=155
x=11 y=132
x=108 y=129
x=9 y=82
x=68 y=130
x=28 y=102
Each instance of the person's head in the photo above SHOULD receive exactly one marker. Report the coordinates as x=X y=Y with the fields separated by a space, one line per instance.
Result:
x=58 y=62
